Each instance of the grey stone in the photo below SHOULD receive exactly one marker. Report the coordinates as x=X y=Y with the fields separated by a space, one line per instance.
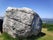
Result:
x=22 y=22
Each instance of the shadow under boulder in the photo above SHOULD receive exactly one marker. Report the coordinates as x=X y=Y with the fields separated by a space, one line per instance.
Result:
x=33 y=37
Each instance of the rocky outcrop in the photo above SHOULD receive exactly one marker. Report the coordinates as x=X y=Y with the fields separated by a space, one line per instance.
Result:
x=21 y=22
x=1 y=23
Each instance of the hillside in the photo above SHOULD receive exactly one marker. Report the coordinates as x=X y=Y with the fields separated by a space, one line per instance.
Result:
x=47 y=20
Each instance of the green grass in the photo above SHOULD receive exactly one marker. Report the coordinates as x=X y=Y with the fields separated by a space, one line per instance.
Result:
x=48 y=26
x=44 y=25
x=6 y=36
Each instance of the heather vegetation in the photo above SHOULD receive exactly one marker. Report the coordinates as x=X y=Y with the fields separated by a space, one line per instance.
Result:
x=48 y=26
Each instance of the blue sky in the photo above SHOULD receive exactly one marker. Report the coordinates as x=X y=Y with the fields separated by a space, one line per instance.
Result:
x=43 y=7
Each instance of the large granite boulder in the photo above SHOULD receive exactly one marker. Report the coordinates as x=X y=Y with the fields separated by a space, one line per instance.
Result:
x=22 y=22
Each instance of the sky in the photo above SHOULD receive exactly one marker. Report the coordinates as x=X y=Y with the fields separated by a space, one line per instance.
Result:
x=44 y=8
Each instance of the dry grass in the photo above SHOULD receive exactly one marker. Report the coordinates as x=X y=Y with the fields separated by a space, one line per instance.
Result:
x=48 y=36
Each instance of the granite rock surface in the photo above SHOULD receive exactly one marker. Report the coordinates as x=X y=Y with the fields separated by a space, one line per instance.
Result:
x=22 y=22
